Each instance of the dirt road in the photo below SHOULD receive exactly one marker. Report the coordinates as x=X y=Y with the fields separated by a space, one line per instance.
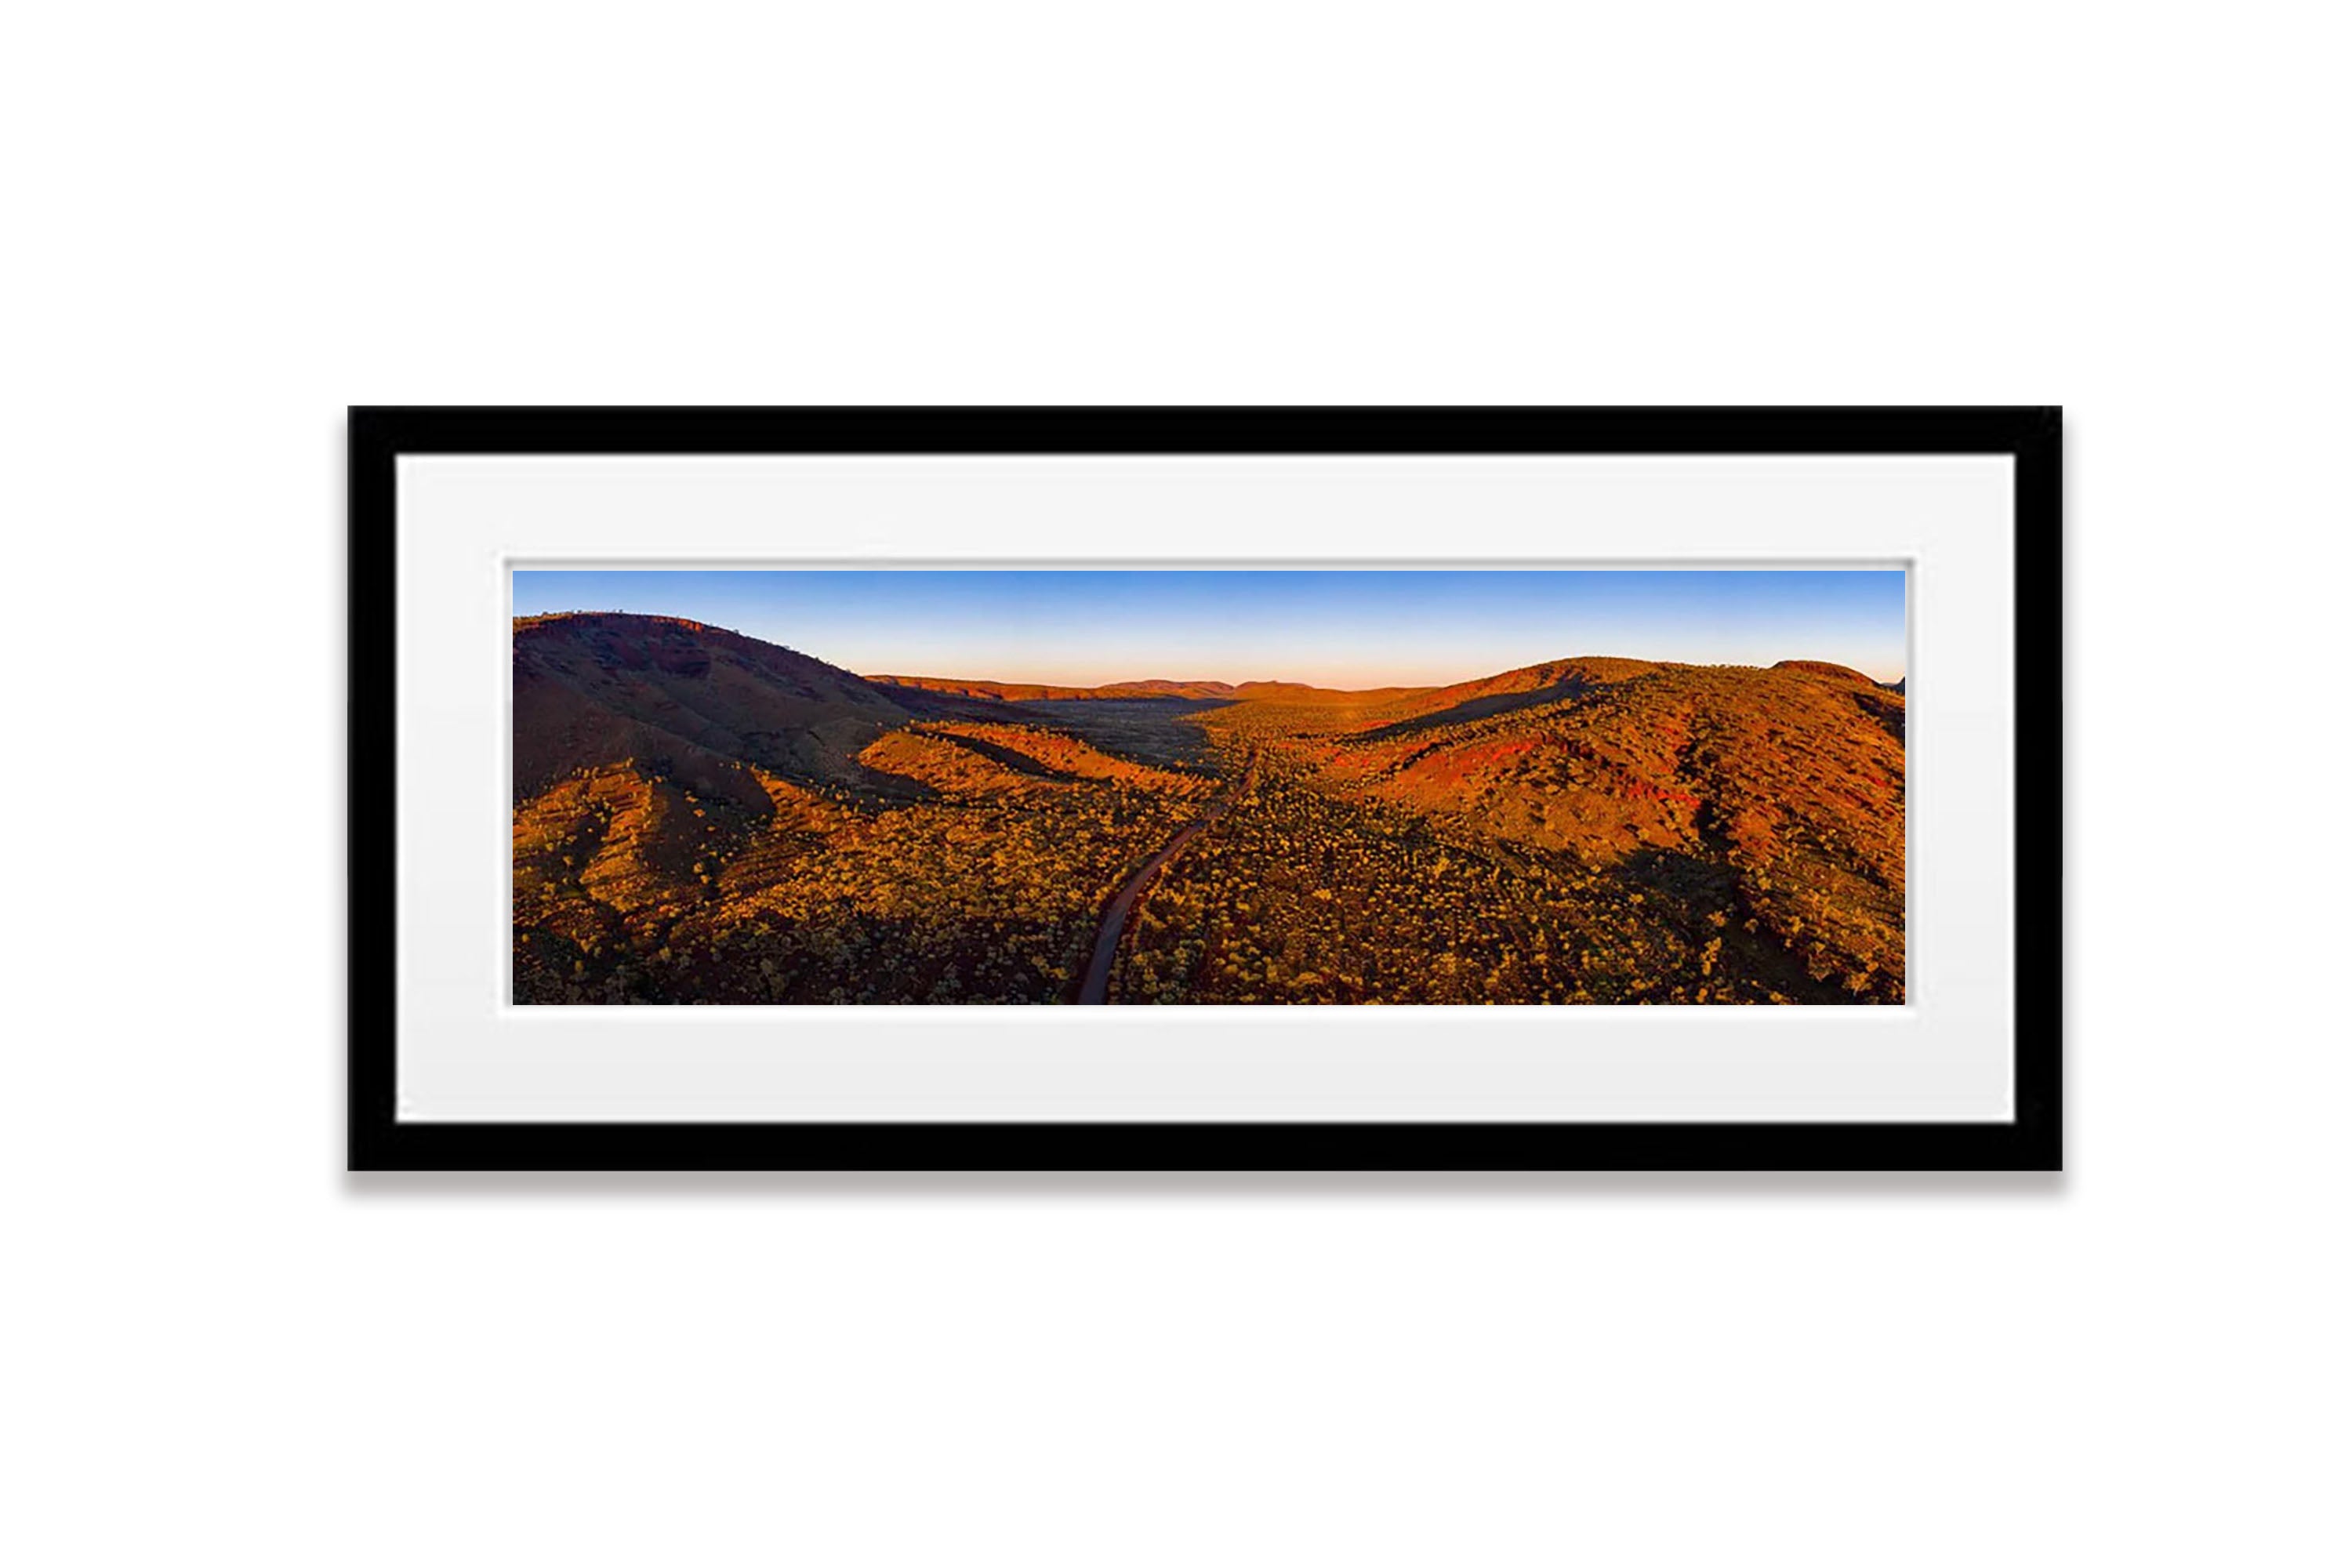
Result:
x=1097 y=987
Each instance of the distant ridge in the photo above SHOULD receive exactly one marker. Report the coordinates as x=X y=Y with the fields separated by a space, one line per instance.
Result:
x=1297 y=691
x=1023 y=691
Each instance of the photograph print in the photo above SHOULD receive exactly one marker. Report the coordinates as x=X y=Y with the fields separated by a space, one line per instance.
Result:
x=1239 y=789
x=1165 y=787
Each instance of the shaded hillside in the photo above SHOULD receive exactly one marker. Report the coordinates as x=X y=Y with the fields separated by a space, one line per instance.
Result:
x=1524 y=688
x=690 y=701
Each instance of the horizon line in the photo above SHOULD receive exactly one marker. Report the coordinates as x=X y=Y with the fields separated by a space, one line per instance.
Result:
x=1095 y=685
x=1077 y=685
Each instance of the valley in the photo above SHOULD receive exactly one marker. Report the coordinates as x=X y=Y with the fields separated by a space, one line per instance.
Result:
x=705 y=817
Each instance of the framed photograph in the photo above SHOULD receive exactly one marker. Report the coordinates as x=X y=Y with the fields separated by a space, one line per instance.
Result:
x=1205 y=789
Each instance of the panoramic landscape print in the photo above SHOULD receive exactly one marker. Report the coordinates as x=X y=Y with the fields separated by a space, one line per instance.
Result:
x=1174 y=787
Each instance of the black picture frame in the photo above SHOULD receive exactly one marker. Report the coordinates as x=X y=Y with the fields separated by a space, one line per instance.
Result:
x=380 y=1141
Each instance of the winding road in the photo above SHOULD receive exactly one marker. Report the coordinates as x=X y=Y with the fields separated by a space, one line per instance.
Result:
x=1096 y=989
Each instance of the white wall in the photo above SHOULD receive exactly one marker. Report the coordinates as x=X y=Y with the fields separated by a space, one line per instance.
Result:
x=228 y=221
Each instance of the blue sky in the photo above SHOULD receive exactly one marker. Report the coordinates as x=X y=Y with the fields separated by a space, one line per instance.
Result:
x=1347 y=629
